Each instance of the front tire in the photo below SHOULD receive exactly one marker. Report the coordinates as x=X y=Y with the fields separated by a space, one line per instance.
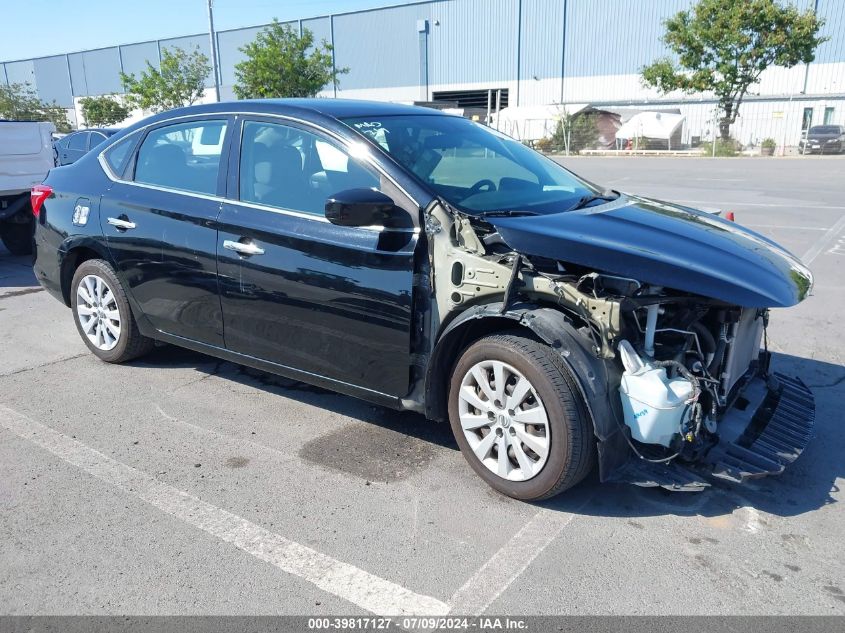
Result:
x=518 y=417
x=102 y=314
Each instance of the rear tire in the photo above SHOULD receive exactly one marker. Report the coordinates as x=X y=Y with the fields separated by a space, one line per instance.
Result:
x=17 y=237
x=536 y=412
x=103 y=316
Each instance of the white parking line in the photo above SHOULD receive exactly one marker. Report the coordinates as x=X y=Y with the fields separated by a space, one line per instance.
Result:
x=785 y=226
x=346 y=581
x=818 y=247
x=505 y=566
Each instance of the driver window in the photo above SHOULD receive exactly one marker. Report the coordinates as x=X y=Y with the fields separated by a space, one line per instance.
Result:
x=288 y=168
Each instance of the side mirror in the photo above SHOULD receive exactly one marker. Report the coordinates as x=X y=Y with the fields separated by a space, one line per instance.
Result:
x=360 y=207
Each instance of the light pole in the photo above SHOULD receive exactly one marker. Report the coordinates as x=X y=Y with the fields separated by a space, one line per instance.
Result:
x=213 y=39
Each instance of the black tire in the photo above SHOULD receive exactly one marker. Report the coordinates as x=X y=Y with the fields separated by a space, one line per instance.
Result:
x=17 y=237
x=571 y=443
x=130 y=343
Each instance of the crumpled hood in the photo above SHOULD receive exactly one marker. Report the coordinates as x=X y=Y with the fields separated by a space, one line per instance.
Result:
x=665 y=245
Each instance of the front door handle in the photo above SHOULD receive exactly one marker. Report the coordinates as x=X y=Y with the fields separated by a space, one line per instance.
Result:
x=243 y=248
x=121 y=224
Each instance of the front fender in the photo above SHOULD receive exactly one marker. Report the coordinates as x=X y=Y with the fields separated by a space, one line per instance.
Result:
x=595 y=377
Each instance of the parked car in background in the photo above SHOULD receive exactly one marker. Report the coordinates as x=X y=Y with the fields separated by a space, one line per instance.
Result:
x=823 y=139
x=26 y=156
x=75 y=145
x=427 y=263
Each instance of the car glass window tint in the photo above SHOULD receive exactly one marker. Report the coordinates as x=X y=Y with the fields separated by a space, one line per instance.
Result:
x=95 y=138
x=78 y=141
x=185 y=156
x=289 y=168
x=117 y=156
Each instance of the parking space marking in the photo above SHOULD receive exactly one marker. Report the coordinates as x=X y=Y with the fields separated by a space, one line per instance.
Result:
x=785 y=226
x=773 y=205
x=507 y=564
x=820 y=244
x=370 y=592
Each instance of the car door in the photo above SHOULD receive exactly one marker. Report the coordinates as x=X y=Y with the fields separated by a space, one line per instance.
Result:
x=160 y=223
x=298 y=291
x=74 y=147
x=94 y=139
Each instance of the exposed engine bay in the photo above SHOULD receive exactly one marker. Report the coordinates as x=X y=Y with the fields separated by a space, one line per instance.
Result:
x=687 y=377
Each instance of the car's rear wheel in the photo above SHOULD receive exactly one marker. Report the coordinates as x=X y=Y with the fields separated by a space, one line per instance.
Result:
x=518 y=417
x=17 y=237
x=103 y=316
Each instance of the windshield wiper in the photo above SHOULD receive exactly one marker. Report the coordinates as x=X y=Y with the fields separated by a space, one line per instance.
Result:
x=507 y=213
x=607 y=195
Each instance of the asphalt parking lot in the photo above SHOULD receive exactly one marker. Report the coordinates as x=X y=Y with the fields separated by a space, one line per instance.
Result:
x=178 y=484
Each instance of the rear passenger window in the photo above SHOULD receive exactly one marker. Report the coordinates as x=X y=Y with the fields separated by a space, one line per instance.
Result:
x=78 y=141
x=289 y=168
x=184 y=156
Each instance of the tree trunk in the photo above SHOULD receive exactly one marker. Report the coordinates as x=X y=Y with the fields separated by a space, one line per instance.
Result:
x=725 y=122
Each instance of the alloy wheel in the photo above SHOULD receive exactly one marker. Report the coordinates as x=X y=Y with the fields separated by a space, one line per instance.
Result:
x=96 y=308
x=504 y=420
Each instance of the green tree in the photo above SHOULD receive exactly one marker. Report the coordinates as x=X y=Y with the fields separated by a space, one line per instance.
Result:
x=104 y=110
x=723 y=46
x=280 y=63
x=178 y=82
x=19 y=102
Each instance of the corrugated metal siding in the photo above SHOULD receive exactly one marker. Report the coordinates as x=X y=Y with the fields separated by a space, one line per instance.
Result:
x=21 y=72
x=380 y=47
x=320 y=27
x=136 y=56
x=476 y=41
x=95 y=72
x=52 y=80
x=541 y=50
x=228 y=43
x=469 y=44
x=615 y=37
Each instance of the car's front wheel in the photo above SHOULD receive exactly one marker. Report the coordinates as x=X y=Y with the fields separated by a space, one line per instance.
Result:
x=103 y=316
x=518 y=417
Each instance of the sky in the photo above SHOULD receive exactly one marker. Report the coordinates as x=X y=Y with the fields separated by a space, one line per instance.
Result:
x=37 y=28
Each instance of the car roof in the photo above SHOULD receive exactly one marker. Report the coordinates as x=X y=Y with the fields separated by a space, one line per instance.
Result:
x=335 y=108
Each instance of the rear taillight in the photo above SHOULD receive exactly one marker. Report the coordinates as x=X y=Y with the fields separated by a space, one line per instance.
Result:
x=730 y=216
x=37 y=197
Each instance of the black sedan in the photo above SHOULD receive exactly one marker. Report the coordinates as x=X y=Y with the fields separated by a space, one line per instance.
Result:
x=823 y=139
x=425 y=262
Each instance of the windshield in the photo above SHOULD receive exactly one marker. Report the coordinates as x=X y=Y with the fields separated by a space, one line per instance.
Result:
x=824 y=129
x=473 y=167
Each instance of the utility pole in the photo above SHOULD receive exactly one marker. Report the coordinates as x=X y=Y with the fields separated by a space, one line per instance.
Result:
x=213 y=38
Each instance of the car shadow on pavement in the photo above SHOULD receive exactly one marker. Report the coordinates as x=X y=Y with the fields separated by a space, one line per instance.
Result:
x=16 y=272
x=805 y=486
x=405 y=422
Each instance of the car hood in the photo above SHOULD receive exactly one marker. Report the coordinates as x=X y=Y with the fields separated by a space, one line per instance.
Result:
x=666 y=245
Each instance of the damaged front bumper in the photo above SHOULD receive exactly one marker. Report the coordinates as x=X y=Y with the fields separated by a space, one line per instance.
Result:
x=767 y=429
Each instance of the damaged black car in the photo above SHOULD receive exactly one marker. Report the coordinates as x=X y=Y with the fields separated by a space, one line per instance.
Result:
x=428 y=263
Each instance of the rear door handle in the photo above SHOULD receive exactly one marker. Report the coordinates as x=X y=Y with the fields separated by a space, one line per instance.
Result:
x=242 y=248
x=121 y=224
